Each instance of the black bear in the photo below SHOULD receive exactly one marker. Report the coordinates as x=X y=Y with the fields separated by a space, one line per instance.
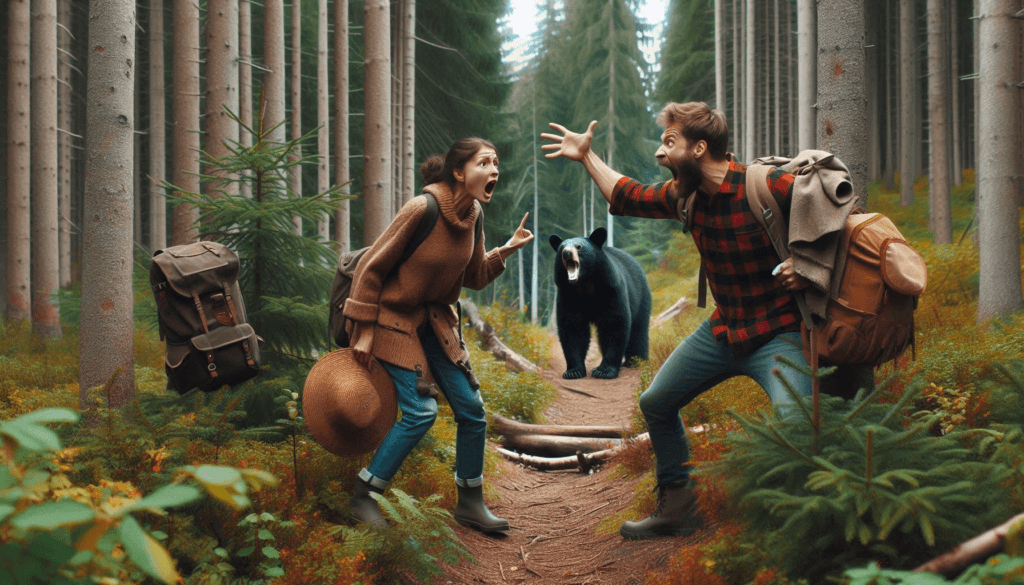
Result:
x=607 y=287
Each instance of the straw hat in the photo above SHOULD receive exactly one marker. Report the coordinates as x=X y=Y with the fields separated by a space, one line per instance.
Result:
x=348 y=408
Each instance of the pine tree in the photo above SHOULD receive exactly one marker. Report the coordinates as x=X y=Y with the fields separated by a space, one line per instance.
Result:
x=283 y=275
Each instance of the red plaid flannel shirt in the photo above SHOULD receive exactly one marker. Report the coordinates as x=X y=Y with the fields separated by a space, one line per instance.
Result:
x=738 y=256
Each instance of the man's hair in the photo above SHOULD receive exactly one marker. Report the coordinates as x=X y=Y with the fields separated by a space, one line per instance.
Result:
x=698 y=121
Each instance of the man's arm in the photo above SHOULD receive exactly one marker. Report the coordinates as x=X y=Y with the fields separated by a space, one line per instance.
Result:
x=576 y=147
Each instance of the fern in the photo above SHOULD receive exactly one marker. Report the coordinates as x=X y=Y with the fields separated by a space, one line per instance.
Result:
x=415 y=543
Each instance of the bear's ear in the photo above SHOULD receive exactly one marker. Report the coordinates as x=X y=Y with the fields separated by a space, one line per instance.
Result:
x=598 y=237
x=555 y=241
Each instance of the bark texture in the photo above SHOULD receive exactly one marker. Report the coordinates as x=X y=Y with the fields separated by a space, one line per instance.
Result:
x=323 y=133
x=222 y=86
x=842 y=103
x=19 y=161
x=377 y=133
x=907 y=109
x=45 y=250
x=273 y=75
x=63 y=142
x=938 y=125
x=185 y=133
x=999 y=184
x=157 y=129
x=106 y=347
x=295 y=171
x=807 y=74
x=245 y=82
x=341 y=147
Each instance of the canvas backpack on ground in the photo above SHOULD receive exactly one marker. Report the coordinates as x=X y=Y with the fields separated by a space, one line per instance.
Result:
x=348 y=262
x=202 y=317
x=876 y=281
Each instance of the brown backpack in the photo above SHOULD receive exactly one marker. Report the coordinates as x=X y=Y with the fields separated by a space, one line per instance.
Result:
x=875 y=284
x=202 y=317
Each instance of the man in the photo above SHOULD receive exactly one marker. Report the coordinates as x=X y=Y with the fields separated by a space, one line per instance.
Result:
x=756 y=318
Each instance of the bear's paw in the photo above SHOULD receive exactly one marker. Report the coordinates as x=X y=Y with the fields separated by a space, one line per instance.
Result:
x=574 y=374
x=605 y=372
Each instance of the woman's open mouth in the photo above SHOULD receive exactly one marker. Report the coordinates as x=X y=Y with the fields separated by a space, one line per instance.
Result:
x=489 y=187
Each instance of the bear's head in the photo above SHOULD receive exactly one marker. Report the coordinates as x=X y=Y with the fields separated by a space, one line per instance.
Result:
x=579 y=257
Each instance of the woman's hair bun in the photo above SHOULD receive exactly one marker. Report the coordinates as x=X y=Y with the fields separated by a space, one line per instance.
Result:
x=432 y=170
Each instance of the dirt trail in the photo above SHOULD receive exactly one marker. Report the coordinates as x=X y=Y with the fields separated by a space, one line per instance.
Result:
x=554 y=515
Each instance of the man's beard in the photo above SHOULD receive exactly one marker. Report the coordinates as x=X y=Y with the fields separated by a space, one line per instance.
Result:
x=687 y=176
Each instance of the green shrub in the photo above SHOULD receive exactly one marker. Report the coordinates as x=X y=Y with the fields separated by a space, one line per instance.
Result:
x=868 y=483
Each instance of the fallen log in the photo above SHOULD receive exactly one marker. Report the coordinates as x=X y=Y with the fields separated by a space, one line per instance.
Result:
x=975 y=550
x=582 y=461
x=556 y=446
x=675 y=310
x=512 y=359
x=509 y=427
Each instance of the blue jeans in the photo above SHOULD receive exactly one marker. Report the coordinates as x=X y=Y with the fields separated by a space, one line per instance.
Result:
x=697 y=365
x=419 y=413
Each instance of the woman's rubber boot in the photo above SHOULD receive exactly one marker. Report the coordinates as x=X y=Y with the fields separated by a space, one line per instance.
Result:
x=676 y=515
x=363 y=507
x=472 y=511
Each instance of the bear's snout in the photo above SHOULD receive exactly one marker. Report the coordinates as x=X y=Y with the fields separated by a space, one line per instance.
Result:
x=571 y=261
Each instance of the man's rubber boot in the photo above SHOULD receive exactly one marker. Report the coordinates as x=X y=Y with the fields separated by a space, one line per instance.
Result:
x=676 y=515
x=363 y=507
x=472 y=511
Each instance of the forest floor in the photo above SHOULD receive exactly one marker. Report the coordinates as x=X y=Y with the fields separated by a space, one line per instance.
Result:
x=554 y=515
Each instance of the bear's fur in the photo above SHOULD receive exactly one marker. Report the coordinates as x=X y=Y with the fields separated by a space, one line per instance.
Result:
x=609 y=290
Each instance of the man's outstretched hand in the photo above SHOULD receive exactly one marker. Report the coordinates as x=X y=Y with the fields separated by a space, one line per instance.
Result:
x=570 y=144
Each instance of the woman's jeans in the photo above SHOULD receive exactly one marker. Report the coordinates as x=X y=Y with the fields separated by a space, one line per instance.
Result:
x=419 y=412
x=698 y=364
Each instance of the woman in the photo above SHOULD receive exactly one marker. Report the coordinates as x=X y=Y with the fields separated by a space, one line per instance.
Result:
x=404 y=318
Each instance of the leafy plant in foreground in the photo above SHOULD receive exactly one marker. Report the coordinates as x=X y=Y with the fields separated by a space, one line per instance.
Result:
x=860 y=481
x=58 y=533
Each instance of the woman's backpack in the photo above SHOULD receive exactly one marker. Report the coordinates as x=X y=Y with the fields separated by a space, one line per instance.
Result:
x=349 y=261
x=202 y=317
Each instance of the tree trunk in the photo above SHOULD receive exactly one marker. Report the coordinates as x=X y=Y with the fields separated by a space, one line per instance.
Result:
x=341 y=146
x=19 y=161
x=221 y=88
x=273 y=75
x=245 y=84
x=295 y=171
x=157 y=128
x=907 y=109
x=842 y=104
x=185 y=132
x=3 y=161
x=408 y=159
x=397 y=62
x=938 y=129
x=999 y=290
x=534 y=291
x=609 y=220
x=891 y=72
x=556 y=446
x=807 y=74
x=508 y=427
x=583 y=461
x=513 y=360
x=323 y=133
x=777 y=64
x=63 y=143
x=750 y=81
x=737 y=81
x=377 y=120
x=954 y=95
x=872 y=66
x=45 y=253
x=106 y=347
x=719 y=58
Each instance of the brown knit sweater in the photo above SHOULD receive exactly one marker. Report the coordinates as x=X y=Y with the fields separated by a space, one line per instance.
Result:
x=430 y=281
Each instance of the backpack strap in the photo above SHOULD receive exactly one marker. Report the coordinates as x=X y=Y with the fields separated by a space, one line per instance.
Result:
x=768 y=213
x=684 y=209
x=423 y=228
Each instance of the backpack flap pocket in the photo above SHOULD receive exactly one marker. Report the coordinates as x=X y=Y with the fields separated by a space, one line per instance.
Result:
x=182 y=367
x=903 y=269
x=227 y=356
